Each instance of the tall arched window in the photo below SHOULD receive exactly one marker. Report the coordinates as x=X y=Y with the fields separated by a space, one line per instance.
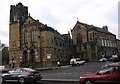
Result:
x=26 y=37
x=79 y=42
x=15 y=17
x=79 y=39
x=32 y=36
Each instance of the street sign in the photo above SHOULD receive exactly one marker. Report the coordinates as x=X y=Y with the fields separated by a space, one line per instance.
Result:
x=48 y=56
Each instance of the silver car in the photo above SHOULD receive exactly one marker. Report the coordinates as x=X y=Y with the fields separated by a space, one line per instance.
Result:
x=22 y=75
x=103 y=60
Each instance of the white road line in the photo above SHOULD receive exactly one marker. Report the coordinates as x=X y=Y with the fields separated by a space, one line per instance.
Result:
x=75 y=80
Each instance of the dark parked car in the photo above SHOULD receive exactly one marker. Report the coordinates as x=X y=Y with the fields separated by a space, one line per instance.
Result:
x=109 y=74
x=22 y=75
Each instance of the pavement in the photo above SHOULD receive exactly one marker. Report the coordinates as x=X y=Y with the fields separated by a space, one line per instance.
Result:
x=38 y=69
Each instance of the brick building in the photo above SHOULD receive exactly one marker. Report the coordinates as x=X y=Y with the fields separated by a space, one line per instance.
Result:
x=91 y=42
x=32 y=42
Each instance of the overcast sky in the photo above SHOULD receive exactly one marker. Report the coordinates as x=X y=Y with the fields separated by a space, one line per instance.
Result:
x=62 y=14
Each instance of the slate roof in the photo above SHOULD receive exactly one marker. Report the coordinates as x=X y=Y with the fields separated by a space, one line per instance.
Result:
x=92 y=27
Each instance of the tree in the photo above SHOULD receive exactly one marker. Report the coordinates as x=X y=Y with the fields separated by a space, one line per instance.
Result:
x=5 y=56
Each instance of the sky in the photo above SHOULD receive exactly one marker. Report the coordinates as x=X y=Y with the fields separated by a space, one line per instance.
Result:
x=62 y=14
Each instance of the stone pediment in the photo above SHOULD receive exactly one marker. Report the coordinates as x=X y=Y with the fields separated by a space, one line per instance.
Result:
x=29 y=20
x=78 y=26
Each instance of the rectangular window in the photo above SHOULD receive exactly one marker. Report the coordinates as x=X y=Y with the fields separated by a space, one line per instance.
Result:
x=110 y=43
x=102 y=42
x=105 y=41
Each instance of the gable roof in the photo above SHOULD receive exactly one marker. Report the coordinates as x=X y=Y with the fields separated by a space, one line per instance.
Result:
x=92 y=27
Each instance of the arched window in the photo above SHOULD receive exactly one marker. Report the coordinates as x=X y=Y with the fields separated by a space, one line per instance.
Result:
x=79 y=42
x=79 y=39
x=26 y=37
x=32 y=36
x=15 y=18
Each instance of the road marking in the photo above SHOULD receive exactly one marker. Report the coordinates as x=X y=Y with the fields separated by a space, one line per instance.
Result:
x=67 y=80
x=69 y=73
x=73 y=73
x=58 y=73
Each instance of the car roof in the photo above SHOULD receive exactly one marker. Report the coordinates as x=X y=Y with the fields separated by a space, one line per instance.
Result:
x=27 y=69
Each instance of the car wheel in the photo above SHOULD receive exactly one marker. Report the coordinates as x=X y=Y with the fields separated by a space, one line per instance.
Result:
x=77 y=64
x=72 y=64
x=21 y=80
x=88 y=82
x=35 y=81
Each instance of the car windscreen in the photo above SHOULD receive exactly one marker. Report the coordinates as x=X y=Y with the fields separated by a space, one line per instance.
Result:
x=78 y=59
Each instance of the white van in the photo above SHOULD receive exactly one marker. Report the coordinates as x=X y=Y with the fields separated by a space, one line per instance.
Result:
x=76 y=61
x=115 y=58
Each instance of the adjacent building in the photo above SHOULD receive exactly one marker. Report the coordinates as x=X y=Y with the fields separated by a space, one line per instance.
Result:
x=118 y=45
x=91 y=42
x=4 y=54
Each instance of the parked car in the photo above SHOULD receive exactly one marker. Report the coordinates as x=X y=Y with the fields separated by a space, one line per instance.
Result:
x=22 y=75
x=115 y=58
x=103 y=60
x=110 y=59
x=76 y=61
x=109 y=74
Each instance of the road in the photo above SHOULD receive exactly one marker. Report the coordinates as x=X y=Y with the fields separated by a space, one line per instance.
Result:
x=47 y=82
x=71 y=73
x=67 y=75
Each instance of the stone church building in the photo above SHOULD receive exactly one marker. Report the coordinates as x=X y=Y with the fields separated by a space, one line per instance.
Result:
x=34 y=43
